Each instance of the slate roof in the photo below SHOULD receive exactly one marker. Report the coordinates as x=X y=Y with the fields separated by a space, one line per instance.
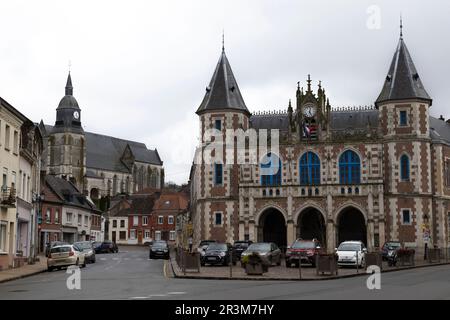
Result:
x=270 y=121
x=341 y=120
x=68 y=101
x=223 y=91
x=68 y=193
x=402 y=80
x=439 y=130
x=105 y=152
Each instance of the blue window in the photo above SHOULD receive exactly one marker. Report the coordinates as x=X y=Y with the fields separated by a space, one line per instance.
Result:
x=218 y=124
x=218 y=174
x=309 y=169
x=270 y=170
x=403 y=118
x=404 y=168
x=349 y=168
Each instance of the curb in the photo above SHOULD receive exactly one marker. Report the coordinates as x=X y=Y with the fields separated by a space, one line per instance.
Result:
x=23 y=276
x=175 y=275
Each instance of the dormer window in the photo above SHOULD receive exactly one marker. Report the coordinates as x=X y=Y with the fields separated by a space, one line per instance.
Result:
x=403 y=118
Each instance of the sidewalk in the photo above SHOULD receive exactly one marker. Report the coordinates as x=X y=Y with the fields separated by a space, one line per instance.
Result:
x=277 y=273
x=25 y=271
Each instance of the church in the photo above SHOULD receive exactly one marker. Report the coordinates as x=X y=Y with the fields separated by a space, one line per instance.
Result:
x=369 y=173
x=100 y=166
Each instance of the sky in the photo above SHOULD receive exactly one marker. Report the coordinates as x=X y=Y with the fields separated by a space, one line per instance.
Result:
x=140 y=68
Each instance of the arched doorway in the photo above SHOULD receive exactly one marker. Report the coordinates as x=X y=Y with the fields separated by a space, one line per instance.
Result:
x=311 y=225
x=272 y=227
x=351 y=226
x=94 y=194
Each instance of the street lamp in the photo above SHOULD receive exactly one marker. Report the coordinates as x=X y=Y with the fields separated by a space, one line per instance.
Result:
x=37 y=198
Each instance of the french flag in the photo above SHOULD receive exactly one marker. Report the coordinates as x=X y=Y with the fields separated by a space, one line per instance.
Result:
x=306 y=130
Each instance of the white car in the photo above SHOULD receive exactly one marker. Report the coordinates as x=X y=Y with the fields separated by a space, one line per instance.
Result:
x=65 y=255
x=351 y=253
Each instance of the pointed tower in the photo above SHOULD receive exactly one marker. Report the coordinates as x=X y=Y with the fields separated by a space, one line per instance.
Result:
x=221 y=109
x=66 y=143
x=403 y=105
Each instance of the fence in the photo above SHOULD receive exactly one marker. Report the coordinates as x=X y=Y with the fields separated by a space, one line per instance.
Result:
x=186 y=260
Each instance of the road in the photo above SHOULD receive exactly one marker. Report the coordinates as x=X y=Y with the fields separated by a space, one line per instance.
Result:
x=130 y=275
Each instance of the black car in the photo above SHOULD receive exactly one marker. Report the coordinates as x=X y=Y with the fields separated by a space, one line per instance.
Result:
x=239 y=247
x=106 y=246
x=159 y=249
x=217 y=253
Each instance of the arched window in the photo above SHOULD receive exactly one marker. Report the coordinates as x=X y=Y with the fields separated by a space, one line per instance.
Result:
x=349 y=168
x=404 y=168
x=114 y=185
x=309 y=169
x=270 y=170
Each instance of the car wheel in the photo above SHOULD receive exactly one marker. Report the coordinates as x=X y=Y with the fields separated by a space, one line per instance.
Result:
x=288 y=265
x=76 y=263
x=202 y=264
x=49 y=269
x=84 y=264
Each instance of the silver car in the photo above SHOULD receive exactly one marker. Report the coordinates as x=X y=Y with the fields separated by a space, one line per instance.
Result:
x=64 y=256
x=268 y=251
x=88 y=250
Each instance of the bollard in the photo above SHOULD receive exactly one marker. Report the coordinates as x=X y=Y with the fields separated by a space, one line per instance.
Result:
x=357 y=266
x=300 y=265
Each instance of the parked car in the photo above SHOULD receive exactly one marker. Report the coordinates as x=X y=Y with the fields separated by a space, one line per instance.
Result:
x=159 y=249
x=389 y=246
x=268 y=251
x=88 y=250
x=304 y=251
x=51 y=245
x=203 y=245
x=65 y=255
x=351 y=253
x=239 y=247
x=217 y=253
x=106 y=246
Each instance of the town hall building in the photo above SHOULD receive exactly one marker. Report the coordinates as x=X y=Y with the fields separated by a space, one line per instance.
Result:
x=370 y=173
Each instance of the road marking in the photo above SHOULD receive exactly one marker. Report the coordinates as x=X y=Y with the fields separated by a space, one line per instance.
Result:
x=164 y=269
x=139 y=298
x=157 y=295
x=115 y=259
x=177 y=292
x=127 y=259
x=103 y=259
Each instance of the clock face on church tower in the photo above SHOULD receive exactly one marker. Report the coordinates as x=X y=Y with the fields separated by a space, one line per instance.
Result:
x=309 y=110
x=76 y=115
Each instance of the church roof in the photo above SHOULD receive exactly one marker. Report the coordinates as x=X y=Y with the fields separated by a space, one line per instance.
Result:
x=439 y=130
x=105 y=152
x=223 y=91
x=68 y=101
x=402 y=81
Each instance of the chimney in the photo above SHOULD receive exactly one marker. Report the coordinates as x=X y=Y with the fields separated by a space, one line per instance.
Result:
x=441 y=118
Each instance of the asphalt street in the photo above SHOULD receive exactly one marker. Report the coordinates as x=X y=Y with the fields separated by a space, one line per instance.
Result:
x=129 y=274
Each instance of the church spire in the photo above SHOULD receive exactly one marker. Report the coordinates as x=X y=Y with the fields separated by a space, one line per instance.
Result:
x=69 y=88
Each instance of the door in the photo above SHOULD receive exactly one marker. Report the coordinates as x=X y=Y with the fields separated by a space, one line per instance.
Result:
x=113 y=236
x=140 y=236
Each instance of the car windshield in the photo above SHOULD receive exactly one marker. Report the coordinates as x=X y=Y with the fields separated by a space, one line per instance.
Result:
x=260 y=247
x=83 y=245
x=217 y=246
x=205 y=243
x=241 y=244
x=159 y=245
x=349 y=247
x=303 y=245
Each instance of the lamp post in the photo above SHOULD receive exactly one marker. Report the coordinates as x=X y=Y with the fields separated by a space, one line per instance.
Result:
x=426 y=239
x=37 y=218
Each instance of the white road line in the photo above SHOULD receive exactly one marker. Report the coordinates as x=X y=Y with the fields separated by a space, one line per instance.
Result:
x=115 y=259
x=177 y=292
x=139 y=298
x=157 y=295
x=103 y=259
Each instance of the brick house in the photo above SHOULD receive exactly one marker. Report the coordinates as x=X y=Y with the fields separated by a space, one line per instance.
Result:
x=370 y=173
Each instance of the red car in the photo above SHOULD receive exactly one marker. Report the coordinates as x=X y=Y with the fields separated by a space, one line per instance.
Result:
x=306 y=249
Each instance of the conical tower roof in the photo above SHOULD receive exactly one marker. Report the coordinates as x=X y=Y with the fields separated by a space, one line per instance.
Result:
x=223 y=91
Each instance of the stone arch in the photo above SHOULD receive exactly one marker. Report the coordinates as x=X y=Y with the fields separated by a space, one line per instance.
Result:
x=351 y=224
x=272 y=226
x=94 y=193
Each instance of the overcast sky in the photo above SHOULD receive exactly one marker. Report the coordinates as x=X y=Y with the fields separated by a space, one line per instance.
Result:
x=140 y=68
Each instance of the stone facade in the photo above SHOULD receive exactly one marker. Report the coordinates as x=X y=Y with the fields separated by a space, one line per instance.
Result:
x=395 y=187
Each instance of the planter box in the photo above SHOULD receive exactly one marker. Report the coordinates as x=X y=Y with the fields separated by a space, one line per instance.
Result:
x=434 y=255
x=326 y=263
x=254 y=269
x=406 y=259
x=373 y=259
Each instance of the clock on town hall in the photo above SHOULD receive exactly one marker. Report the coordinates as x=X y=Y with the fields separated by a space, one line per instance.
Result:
x=76 y=115
x=309 y=110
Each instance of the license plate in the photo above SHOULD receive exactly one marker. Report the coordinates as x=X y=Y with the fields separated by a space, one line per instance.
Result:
x=211 y=258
